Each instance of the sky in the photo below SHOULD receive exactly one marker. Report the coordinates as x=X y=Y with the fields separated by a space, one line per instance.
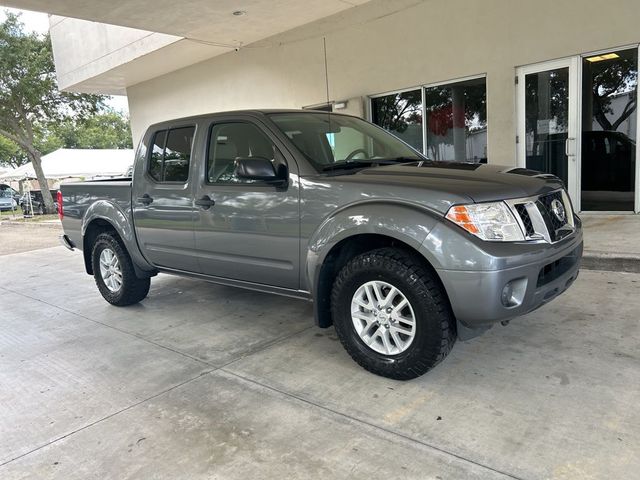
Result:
x=39 y=23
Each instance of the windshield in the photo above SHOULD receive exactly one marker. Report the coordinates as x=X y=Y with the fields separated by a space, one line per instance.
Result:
x=327 y=140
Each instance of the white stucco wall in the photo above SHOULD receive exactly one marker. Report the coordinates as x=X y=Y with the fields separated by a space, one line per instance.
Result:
x=370 y=51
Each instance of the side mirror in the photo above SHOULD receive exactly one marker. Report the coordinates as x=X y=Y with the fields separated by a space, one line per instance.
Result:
x=260 y=168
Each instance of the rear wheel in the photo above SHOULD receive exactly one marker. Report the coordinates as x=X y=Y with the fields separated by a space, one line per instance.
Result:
x=114 y=274
x=391 y=314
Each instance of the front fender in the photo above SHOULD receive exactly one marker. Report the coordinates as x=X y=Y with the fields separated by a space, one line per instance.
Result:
x=403 y=221
x=122 y=222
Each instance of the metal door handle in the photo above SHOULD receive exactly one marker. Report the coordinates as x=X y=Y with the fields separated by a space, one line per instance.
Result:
x=145 y=199
x=567 y=147
x=205 y=202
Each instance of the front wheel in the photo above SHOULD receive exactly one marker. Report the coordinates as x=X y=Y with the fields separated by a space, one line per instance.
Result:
x=114 y=274
x=391 y=314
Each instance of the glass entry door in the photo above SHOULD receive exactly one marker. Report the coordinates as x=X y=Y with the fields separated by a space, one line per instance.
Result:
x=547 y=127
x=609 y=127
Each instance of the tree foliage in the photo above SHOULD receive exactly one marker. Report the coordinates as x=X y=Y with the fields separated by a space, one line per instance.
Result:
x=107 y=129
x=10 y=154
x=610 y=79
x=29 y=97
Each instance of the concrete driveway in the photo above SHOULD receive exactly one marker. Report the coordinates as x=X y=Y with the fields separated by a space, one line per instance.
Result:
x=203 y=381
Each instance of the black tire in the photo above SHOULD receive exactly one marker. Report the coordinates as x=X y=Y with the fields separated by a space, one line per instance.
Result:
x=434 y=322
x=133 y=289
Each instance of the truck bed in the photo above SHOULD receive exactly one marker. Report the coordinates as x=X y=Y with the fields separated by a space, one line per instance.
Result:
x=79 y=196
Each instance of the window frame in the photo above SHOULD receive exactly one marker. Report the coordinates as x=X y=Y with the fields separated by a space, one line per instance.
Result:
x=369 y=112
x=423 y=87
x=257 y=183
x=168 y=129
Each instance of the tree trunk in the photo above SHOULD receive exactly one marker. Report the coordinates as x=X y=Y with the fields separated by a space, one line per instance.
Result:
x=42 y=181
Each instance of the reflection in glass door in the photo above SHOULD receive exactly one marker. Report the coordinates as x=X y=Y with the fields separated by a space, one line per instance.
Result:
x=547 y=120
x=609 y=101
x=547 y=112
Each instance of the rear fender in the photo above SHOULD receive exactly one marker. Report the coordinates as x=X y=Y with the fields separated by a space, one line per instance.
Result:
x=121 y=222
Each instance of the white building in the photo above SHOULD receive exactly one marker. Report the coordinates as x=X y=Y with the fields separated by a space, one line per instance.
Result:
x=174 y=59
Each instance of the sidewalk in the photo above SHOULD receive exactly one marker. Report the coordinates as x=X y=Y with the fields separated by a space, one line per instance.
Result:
x=611 y=242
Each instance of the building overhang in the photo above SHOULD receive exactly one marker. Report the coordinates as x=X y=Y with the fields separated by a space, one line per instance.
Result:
x=104 y=47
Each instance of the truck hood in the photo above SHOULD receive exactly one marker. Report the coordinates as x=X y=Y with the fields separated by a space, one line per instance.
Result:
x=478 y=182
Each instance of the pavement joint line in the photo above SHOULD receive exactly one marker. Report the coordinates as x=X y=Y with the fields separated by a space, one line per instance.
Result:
x=111 y=415
x=213 y=369
x=369 y=424
x=159 y=345
x=84 y=317
x=241 y=377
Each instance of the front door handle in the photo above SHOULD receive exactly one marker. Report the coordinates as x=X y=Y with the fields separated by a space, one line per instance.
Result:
x=205 y=202
x=145 y=199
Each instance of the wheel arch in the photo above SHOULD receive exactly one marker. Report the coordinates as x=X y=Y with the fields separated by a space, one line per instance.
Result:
x=104 y=216
x=346 y=249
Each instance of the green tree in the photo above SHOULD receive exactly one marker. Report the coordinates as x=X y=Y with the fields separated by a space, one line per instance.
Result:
x=10 y=154
x=107 y=129
x=29 y=95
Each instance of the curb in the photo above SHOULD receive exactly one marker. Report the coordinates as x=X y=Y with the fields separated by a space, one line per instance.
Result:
x=613 y=262
x=45 y=224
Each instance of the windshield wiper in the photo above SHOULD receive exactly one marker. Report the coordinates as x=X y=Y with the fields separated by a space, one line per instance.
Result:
x=348 y=164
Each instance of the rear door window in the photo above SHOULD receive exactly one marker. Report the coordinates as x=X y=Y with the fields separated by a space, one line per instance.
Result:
x=171 y=154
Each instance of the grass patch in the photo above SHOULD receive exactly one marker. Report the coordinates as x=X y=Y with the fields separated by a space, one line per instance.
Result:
x=19 y=217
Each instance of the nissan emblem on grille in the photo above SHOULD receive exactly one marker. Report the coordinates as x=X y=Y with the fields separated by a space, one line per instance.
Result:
x=558 y=210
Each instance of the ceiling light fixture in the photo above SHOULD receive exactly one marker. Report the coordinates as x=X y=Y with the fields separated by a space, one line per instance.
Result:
x=239 y=13
x=606 y=56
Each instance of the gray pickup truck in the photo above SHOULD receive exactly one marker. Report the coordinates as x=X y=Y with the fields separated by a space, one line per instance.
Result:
x=401 y=254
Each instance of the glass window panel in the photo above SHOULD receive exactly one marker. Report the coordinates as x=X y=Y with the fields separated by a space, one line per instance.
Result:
x=609 y=96
x=155 y=160
x=326 y=139
x=546 y=121
x=229 y=141
x=456 y=118
x=401 y=114
x=177 y=154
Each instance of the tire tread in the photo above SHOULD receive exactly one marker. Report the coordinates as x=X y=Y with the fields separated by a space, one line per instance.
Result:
x=401 y=263
x=133 y=289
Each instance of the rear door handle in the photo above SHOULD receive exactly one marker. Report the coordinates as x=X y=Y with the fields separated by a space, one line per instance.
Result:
x=145 y=199
x=205 y=202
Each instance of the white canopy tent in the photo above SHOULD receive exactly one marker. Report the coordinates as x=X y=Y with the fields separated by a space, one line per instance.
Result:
x=77 y=163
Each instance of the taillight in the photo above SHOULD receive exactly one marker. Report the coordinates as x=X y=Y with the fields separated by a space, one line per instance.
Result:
x=60 y=208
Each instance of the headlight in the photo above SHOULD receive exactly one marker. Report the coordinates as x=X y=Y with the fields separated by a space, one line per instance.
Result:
x=488 y=221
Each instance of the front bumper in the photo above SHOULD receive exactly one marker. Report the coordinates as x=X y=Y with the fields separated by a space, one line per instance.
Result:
x=477 y=296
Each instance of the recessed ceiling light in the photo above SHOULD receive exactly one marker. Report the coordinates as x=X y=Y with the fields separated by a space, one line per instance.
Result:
x=239 y=13
x=606 y=56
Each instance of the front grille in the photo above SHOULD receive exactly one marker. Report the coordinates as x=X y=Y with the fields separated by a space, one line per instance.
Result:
x=538 y=219
x=526 y=219
x=553 y=223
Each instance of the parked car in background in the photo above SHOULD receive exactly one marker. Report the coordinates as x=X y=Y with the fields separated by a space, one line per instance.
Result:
x=37 y=202
x=7 y=202
x=4 y=188
x=608 y=161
